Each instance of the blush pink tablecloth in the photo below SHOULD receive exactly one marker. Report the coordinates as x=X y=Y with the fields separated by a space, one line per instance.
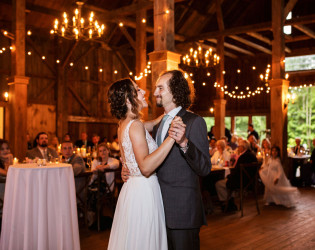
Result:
x=40 y=209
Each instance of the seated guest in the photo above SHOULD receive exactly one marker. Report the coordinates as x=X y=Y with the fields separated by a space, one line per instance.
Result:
x=233 y=143
x=76 y=161
x=212 y=146
x=83 y=142
x=6 y=158
x=252 y=131
x=253 y=144
x=278 y=189
x=221 y=156
x=29 y=142
x=95 y=140
x=54 y=143
x=114 y=147
x=66 y=137
x=233 y=179
x=102 y=162
x=227 y=146
x=266 y=149
x=298 y=149
x=41 y=150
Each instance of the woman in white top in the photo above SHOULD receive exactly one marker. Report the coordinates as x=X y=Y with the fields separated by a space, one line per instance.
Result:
x=278 y=189
x=102 y=162
x=221 y=156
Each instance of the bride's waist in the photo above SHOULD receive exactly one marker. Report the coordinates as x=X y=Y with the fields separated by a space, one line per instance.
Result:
x=140 y=175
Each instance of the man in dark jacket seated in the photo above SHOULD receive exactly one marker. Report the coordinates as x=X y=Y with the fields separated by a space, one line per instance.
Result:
x=233 y=179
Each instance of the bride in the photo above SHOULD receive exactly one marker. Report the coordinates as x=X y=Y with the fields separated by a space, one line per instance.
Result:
x=139 y=221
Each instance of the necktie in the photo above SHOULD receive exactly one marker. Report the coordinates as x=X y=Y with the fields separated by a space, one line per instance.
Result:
x=159 y=133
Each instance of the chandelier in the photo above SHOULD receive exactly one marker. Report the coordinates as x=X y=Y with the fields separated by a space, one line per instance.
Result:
x=201 y=58
x=79 y=28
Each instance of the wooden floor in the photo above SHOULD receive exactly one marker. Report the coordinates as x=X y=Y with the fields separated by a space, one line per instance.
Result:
x=275 y=228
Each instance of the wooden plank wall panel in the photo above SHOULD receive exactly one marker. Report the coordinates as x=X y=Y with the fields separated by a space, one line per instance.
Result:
x=41 y=117
x=40 y=75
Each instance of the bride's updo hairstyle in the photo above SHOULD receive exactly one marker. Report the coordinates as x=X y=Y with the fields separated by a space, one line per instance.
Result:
x=118 y=94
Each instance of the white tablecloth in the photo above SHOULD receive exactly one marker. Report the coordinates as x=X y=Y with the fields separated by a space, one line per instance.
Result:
x=227 y=170
x=40 y=209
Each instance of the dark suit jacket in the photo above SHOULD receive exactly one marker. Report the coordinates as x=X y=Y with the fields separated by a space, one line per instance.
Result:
x=35 y=152
x=80 y=143
x=233 y=179
x=179 y=175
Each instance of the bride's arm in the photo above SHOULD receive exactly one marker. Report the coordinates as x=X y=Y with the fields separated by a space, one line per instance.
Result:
x=150 y=124
x=147 y=162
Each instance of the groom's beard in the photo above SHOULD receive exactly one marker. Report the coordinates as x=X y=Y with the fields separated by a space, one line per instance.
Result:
x=159 y=102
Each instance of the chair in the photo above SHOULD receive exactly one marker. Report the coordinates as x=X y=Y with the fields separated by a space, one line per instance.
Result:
x=82 y=187
x=106 y=196
x=248 y=179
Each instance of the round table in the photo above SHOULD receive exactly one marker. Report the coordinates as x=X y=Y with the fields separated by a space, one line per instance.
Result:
x=40 y=209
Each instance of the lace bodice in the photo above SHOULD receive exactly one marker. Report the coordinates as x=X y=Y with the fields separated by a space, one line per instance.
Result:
x=130 y=160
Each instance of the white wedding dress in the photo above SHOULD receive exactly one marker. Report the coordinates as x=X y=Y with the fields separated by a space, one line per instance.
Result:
x=281 y=193
x=139 y=221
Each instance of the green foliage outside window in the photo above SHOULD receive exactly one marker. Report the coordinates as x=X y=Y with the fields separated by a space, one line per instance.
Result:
x=241 y=126
x=301 y=118
x=259 y=123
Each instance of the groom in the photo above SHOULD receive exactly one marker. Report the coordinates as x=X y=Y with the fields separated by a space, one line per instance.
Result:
x=179 y=173
x=189 y=158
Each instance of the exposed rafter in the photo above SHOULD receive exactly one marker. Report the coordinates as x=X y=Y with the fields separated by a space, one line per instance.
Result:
x=305 y=30
x=265 y=39
x=251 y=44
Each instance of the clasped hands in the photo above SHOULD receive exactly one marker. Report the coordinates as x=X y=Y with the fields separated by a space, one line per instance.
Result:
x=177 y=131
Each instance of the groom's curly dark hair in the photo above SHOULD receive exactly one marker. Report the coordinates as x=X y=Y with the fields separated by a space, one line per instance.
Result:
x=182 y=89
x=118 y=94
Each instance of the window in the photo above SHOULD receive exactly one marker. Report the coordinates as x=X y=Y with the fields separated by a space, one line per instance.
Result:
x=209 y=121
x=259 y=123
x=227 y=122
x=241 y=126
x=296 y=63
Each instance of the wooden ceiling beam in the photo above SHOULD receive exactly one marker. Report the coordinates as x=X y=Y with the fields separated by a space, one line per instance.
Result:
x=252 y=28
x=305 y=30
x=233 y=47
x=265 y=39
x=251 y=44
x=128 y=36
x=289 y=7
x=290 y=39
x=219 y=15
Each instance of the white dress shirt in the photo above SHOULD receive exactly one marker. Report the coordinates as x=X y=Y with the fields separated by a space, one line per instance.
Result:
x=167 y=123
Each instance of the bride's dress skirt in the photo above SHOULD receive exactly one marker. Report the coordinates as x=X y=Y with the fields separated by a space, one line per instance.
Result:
x=139 y=221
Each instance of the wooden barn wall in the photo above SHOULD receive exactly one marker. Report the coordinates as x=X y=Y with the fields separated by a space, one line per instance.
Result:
x=90 y=86
x=41 y=117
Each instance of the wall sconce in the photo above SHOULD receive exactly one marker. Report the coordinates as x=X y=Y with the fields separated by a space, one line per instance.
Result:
x=290 y=98
x=211 y=110
x=6 y=96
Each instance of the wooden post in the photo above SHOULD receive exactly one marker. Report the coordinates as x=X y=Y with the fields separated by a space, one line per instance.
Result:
x=219 y=103
x=162 y=57
x=278 y=86
x=18 y=84
x=141 y=54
